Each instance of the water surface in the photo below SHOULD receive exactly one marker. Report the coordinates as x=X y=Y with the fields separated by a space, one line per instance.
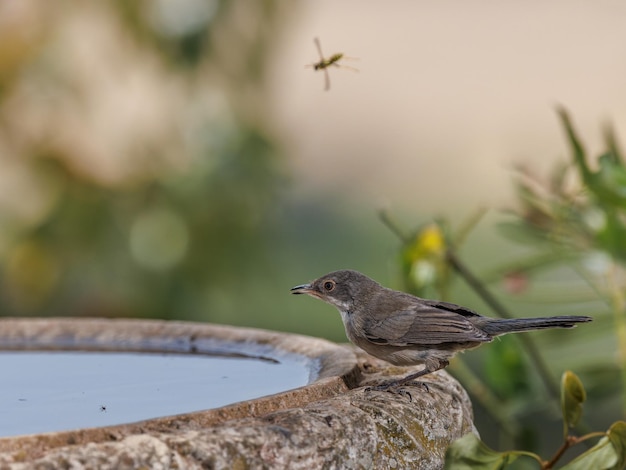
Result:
x=55 y=391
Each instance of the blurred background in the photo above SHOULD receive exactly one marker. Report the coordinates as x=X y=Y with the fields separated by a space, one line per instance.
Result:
x=176 y=159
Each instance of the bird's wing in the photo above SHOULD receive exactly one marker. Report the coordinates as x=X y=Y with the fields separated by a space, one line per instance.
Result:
x=423 y=324
x=450 y=307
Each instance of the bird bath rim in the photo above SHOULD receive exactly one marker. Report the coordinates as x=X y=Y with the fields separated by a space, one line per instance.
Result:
x=332 y=368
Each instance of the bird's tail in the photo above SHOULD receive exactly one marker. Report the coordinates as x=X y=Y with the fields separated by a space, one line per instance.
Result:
x=497 y=327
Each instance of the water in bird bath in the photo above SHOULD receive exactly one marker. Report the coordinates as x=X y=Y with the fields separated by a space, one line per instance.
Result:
x=45 y=391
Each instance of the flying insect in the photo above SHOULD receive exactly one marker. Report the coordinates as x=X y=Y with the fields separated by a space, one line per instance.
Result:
x=324 y=63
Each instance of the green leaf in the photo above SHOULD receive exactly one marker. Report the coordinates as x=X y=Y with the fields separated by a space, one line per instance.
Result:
x=617 y=435
x=572 y=398
x=578 y=152
x=611 y=237
x=470 y=453
x=608 y=184
x=602 y=456
x=608 y=454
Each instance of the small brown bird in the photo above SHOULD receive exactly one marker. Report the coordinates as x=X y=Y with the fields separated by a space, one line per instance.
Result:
x=406 y=330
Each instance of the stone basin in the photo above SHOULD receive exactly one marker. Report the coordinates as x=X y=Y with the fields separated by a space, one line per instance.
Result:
x=243 y=367
x=331 y=419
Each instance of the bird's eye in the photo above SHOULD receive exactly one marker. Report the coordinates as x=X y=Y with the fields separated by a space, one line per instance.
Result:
x=329 y=286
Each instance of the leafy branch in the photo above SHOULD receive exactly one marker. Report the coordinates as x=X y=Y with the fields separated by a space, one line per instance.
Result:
x=575 y=224
x=609 y=453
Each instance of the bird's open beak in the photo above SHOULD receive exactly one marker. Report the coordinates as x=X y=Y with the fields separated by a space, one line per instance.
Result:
x=302 y=289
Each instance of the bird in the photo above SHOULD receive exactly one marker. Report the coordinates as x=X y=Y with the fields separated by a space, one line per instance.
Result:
x=407 y=330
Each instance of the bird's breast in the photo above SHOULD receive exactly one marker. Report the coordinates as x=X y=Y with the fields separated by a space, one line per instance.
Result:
x=353 y=327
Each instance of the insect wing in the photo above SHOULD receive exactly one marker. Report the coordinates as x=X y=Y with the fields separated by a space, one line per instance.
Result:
x=319 y=49
x=326 y=80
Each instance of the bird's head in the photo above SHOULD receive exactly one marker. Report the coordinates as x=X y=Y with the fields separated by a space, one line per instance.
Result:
x=339 y=288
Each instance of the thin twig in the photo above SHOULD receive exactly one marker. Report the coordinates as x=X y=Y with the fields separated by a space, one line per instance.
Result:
x=567 y=443
x=391 y=225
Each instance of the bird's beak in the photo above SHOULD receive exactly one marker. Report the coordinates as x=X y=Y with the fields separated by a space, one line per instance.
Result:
x=302 y=289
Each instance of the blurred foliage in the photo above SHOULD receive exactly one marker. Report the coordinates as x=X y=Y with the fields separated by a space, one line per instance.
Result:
x=469 y=452
x=580 y=225
x=576 y=221
x=138 y=176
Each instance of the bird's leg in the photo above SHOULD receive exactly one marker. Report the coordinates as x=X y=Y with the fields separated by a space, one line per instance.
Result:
x=393 y=385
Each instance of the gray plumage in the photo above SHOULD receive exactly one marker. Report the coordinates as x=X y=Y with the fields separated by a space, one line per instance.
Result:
x=406 y=330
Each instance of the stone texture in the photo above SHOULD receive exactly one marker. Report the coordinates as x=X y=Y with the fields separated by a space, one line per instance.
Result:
x=341 y=426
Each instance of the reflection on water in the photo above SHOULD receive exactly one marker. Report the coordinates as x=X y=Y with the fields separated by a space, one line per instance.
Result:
x=54 y=391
